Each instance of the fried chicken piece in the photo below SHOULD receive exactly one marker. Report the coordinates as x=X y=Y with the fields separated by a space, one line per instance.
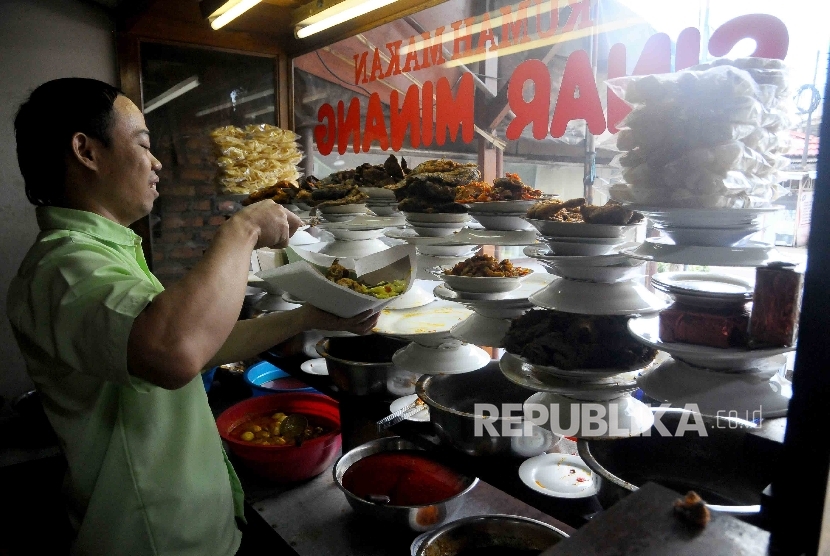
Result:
x=282 y=188
x=692 y=509
x=440 y=165
x=610 y=213
x=354 y=196
x=336 y=271
x=352 y=285
x=550 y=210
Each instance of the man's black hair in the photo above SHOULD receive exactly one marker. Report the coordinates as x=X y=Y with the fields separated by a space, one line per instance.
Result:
x=44 y=127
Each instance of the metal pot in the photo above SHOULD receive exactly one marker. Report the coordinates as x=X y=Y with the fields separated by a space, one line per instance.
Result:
x=719 y=466
x=416 y=518
x=452 y=399
x=362 y=365
x=500 y=532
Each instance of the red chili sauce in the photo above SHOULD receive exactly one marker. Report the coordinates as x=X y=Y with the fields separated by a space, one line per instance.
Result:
x=284 y=383
x=407 y=477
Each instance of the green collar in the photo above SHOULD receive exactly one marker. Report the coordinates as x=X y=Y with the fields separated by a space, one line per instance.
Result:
x=59 y=218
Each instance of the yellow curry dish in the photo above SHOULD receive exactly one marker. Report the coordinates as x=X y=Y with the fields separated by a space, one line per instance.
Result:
x=383 y=290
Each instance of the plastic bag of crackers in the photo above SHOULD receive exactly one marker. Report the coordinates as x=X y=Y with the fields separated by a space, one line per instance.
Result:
x=255 y=157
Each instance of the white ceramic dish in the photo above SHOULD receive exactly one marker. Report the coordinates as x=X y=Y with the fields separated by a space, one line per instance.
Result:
x=315 y=366
x=378 y=193
x=355 y=209
x=520 y=206
x=587 y=375
x=345 y=234
x=581 y=247
x=435 y=232
x=705 y=218
x=589 y=298
x=400 y=403
x=451 y=357
x=760 y=392
x=353 y=249
x=427 y=325
x=542 y=254
x=601 y=274
x=580 y=229
x=480 y=330
x=559 y=475
x=662 y=250
x=384 y=210
x=302 y=237
x=718 y=237
x=515 y=370
x=437 y=217
x=479 y=284
x=497 y=221
x=704 y=289
x=436 y=225
x=510 y=305
x=463 y=251
x=417 y=296
x=366 y=222
x=338 y=217
x=469 y=236
x=647 y=331
x=622 y=417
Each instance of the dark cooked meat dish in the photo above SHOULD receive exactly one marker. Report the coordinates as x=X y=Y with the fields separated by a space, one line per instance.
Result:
x=575 y=210
x=431 y=186
x=508 y=188
x=414 y=204
x=570 y=341
x=331 y=192
x=485 y=266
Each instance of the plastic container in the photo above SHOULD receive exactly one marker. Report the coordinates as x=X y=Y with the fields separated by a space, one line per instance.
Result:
x=289 y=463
x=259 y=377
x=207 y=378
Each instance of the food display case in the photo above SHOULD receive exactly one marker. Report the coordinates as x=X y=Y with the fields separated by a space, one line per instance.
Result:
x=595 y=144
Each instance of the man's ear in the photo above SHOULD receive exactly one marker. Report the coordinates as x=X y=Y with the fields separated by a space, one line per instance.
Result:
x=85 y=150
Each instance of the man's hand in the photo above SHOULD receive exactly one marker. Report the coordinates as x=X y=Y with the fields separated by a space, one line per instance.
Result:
x=315 y=318
x=274 y=224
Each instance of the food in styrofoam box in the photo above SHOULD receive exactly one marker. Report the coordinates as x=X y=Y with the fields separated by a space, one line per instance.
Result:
x=305 y=278
x=712 y=136
x=255 y=157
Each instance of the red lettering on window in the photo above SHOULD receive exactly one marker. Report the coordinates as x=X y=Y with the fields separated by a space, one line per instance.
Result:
x=325 y=134
x=460 y=39
x=486 y=35
x=578 y=97
x=408 y=116
x=553 y=16
x=434 y=52
x=688 y=49
x=454 y=113
x=514 y=29
x=375 y=129
x=411 y=57
x=537 y=110
x=360 y=67
x=377 y=68
x=348 y=126
x=427 y=114
x=394 y=58
x=581 y=13
x=769 y=33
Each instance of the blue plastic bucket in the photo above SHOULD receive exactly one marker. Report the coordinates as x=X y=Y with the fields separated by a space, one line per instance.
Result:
x=258 y=375
x=207 y=378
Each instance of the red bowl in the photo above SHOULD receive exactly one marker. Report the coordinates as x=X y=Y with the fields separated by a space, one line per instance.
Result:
x=285 y=464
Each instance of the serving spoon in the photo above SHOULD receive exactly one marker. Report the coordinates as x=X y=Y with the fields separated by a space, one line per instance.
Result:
x=293 y=427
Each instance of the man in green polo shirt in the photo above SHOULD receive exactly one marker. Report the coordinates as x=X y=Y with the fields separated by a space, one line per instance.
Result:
x=115 y=357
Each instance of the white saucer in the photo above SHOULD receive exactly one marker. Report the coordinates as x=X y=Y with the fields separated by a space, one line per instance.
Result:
x=543 y=254
x=757 y=393
x=582 y=246
x=704 y=218
x=579 y=229
x=481 y=330
x=451 y=357
x=416 y=296
x=704 y=289
x=559 y=475
x=751 y=253
x=517 y=371
x=501 y=221
x=353 y=249
x=315 y=367
x=469 y=236
x=622 y=417
x=365 y=222
x=428 y=325
x=592 y=298
x=398 y=404
x=647 y=331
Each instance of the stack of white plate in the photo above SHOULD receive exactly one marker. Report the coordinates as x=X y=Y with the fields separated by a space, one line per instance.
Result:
x=341 y=213
x=501 y=215
x=582 y=239
x=381 y=201
x=438 y=224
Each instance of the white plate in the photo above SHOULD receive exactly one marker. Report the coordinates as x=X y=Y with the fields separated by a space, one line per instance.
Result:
x=384 y=210
x=647 y=330
x=365 y=222
x=437 y=217
x=704 y=218
x=704 y=289
x=591 y=298
x=559 y=475
x=376 y=193
x=719 y=237
x=428 y=325
x=315 y=367
x=621 y=417
x=344 y=234
x=334 y=217
x=507 y=222
x=400 y=403
x=601 y=274
x=463 y=251
x=353 y=249
x=542 y=254
x=662 y=250
x=502 y=206
x=355 y=208
x=412 y=237
x=302 y=237
x=587 y=375
x=435 y=232
x=481 y=330
x=469 y=236
x=451 y=357
x=759 y=392
x=415 y=297
x=517 y=298
x=479 y=284
x=582 y=247
x=580 y=229
x=515 y=370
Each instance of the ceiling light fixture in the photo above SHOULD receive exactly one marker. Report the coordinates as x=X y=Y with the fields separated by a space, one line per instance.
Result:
x=229 y=11
x=173 y=92
x=335 y=14
x=240 y=100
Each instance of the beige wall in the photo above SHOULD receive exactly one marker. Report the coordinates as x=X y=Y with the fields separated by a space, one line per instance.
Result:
x=39 y=40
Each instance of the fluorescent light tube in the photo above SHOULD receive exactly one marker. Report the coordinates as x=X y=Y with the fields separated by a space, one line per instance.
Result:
x=173 y=92
x=241 y=100
x=230 y=11
x=337 y=14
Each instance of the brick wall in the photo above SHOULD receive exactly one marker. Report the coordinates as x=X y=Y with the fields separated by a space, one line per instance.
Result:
x=188 y=210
